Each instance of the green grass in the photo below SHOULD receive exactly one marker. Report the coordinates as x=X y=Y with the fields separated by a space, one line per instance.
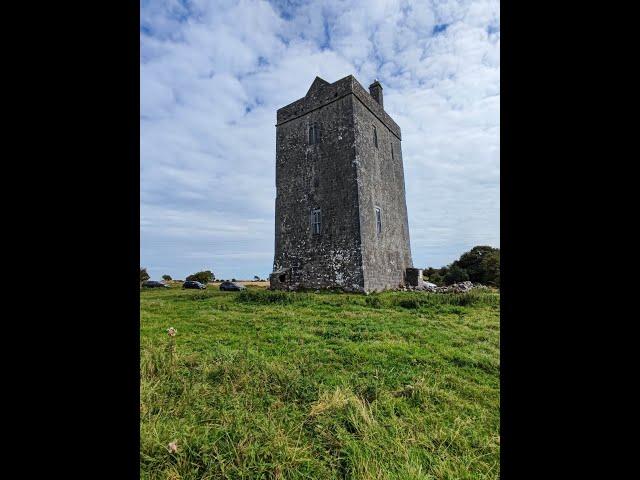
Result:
x=264 y=385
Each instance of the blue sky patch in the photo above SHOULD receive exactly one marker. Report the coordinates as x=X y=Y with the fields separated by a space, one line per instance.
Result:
x=440 y=28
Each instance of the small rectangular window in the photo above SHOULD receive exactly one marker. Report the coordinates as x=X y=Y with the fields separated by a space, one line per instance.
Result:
x=392 y=157
x=316 y=221
x=375 y=136
x=378 y=221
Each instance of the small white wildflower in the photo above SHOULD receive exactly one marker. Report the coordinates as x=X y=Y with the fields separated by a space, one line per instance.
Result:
x=172 y=332
x=173 y=447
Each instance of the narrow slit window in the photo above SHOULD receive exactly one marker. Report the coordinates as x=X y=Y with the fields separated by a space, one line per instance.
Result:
x=392 y=157
x=375 y=136
x=316 y=221
x=314 y=134
x=378 y=221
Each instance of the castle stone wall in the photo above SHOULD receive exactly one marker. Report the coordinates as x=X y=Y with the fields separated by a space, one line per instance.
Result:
x=346 y=177
x=385 y=255
x=320 y=176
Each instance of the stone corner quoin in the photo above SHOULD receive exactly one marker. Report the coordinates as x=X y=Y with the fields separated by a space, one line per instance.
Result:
x=341 y=214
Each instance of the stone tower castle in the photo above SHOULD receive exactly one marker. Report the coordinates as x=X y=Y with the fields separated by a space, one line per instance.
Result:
x=341 y=214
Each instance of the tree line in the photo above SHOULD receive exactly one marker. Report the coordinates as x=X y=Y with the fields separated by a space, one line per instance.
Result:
x=481 y=265
x=205 y=277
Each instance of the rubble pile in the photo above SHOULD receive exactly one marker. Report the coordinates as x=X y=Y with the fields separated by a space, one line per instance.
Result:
x=461 y=287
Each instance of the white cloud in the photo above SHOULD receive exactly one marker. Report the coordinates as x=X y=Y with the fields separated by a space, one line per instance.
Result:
x=213 y=75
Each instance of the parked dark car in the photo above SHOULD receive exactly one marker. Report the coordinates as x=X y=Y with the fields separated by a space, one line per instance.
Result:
x=231 y=287
x=193 y=284
x=154 y=284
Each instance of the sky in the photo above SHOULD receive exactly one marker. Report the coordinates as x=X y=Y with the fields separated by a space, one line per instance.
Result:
x=214 y=73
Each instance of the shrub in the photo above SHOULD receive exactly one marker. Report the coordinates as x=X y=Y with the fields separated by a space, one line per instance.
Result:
x=482 y=264
x=429 y=272
x=490 y=268
x=435 y=275
x=269 y=296
x=373 y=301
x=202 y=277
x=144 y=276
x=466 y=299
x=201 y=295
x=455 y=275
x=410 y=302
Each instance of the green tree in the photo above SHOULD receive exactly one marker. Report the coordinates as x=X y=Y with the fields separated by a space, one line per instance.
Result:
x=482 y=264
x=144 y=276
x=202 y=277
x=166 y=278
x=435 y=275
x=491 y=269
x=429 y=272
x=438 y=276
x=455 y=274
x=432 y=275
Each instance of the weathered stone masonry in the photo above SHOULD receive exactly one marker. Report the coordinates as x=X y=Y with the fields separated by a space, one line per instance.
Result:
x=331 y=177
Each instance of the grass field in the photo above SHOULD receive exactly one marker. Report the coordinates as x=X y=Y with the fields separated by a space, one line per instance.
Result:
x=260 y=385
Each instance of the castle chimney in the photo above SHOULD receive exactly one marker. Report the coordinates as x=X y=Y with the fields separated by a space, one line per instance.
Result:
x=375 y=89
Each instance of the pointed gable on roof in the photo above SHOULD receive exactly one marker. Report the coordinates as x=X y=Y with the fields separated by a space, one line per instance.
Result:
x=317 y=84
